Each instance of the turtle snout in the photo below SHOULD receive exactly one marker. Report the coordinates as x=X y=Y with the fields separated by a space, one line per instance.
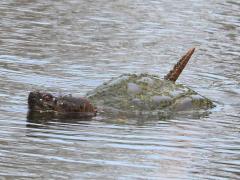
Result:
x=41 y=101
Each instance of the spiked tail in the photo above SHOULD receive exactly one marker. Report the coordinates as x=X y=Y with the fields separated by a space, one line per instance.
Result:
x=178 y=68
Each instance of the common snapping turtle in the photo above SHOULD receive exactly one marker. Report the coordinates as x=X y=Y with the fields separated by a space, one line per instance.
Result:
x=129 y=95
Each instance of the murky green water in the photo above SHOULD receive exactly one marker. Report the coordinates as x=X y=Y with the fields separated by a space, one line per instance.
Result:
x=73 y=46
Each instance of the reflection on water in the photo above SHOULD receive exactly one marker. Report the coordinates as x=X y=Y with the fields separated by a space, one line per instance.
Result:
x=74 y=46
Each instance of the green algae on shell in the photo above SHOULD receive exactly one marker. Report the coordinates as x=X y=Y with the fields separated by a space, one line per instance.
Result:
x=147 y=94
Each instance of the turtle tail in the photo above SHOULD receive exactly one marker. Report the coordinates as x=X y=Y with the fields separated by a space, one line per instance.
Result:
x=178 y=68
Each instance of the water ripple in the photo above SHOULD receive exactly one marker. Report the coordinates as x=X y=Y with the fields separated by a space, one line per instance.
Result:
x=74 y=46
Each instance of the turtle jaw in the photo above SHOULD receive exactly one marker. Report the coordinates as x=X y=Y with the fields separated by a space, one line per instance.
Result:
x=178 y=68
x=41 y=101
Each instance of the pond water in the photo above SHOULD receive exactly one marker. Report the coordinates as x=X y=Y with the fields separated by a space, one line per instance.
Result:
x=72 y=46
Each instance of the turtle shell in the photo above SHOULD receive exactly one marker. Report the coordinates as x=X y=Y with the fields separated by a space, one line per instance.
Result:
x=145 y=94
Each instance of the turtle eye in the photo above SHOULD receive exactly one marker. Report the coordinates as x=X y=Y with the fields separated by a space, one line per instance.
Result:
x=47 y=97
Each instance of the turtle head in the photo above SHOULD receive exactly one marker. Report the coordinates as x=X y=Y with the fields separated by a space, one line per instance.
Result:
x=38 y=101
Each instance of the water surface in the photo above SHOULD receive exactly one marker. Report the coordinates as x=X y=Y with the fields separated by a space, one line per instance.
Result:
x=73 y=46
